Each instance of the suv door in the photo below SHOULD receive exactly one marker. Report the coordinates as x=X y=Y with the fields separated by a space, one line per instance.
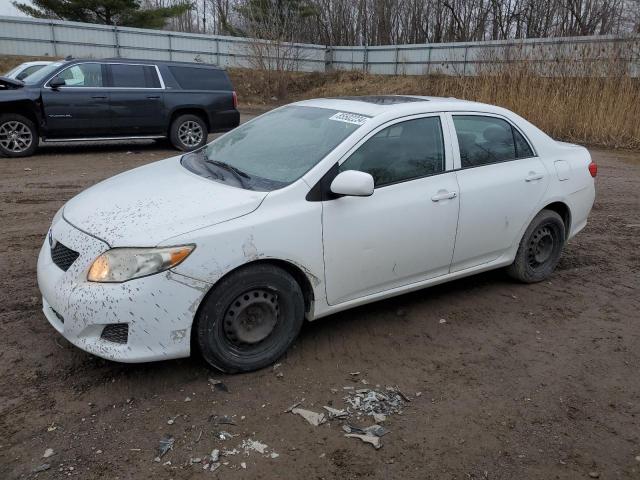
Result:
x=501 y=183
x=405 y=231
x=79 y=108
x=136 y=99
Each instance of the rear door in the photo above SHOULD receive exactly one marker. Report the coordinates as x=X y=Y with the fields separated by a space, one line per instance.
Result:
x=80 y=108
x=136 y=99
x=502 y=182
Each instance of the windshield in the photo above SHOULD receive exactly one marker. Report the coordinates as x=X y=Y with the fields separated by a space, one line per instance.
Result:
x=275 y=149
x=42 y=74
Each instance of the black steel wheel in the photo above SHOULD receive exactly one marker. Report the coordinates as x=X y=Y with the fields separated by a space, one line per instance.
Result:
x=540 y=248
x=250 y=318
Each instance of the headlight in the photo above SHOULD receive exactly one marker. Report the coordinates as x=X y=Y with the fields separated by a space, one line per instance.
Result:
x=122 y=264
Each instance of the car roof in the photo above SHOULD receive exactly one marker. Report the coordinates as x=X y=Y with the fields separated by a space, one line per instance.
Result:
x=144 y=62
x=373 y=105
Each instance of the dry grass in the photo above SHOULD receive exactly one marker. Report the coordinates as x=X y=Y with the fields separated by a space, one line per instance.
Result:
x=595 y=110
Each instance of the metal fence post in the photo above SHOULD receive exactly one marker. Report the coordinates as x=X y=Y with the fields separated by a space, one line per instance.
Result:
x=395 y=69
x=429 y=60
x=328 y=58
x=365 y=60
x=464 y=65
x=117 y=41
x=217 y=51
x=170 y=47
x=53 y=39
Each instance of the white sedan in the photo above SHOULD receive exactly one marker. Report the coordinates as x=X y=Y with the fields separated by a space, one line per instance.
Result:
x=310 y=209
x=23 y=70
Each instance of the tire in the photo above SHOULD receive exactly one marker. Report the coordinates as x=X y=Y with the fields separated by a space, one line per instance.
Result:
x=18 y=136
x=540 y=248
x=188 y=132
x=250 y=319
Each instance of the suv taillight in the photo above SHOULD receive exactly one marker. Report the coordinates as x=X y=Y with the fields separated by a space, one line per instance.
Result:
x=235 y=99
x=593 y=169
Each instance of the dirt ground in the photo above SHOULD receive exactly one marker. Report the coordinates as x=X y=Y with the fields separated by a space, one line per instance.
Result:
x=518 y=382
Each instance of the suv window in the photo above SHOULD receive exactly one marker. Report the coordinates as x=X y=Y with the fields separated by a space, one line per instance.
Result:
x=83 y=75
x=134 y=76
x=193 y=78
x=401 y=152
x=485 y=140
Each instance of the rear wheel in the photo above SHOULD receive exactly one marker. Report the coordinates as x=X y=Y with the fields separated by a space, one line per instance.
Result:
x=18 y=136
x=250 y=319
x=540 y=248
x=188 y=132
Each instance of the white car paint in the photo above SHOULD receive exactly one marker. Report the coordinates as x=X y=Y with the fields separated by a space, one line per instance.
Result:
x=16 y=71
x=352 y=250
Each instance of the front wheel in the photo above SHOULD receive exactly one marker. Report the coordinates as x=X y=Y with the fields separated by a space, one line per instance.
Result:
x=250 y=319
x=540 y=248
x=188 y=132
x=18 y=136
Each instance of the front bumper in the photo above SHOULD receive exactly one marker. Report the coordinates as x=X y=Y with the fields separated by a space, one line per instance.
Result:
x=158 y=310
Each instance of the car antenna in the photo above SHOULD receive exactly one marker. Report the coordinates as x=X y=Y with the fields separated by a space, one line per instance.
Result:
x=68 y=57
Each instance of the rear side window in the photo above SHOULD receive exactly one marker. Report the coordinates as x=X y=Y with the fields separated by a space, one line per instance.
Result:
x=401 y=152
x=134 y=76
x=193 y=78
x=486 y=140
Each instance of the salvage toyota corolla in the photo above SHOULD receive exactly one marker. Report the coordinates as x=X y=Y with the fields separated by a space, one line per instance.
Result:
x=310 y=209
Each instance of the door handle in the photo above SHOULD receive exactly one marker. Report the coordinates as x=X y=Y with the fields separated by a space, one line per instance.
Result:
x=444 y=196
x=99 y=96
x=153 y=97
x=533 y=176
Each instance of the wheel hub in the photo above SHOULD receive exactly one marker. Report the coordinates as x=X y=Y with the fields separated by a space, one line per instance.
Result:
x=540 y=247
x=251 y=317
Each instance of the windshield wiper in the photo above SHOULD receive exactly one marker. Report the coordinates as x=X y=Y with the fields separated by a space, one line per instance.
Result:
x=239 y=174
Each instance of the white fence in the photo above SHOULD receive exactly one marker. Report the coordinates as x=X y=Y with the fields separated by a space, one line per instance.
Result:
x=28 y=36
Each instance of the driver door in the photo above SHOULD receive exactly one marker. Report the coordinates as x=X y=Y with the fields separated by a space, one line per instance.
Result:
x=405 y=232
x=79 y=108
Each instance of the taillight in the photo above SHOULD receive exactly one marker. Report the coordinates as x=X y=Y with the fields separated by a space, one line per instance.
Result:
x=593 y=169
x=235 y=99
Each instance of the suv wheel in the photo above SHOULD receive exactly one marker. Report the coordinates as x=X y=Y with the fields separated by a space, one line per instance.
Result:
x=250 y=319
x=18 y=136
x=540 y=248
x=188 y=132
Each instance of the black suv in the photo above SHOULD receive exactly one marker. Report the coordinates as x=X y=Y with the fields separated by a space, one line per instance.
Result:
x=114 y=99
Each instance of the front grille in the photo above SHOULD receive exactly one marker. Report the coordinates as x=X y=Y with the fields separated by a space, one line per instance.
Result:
x=63 y=256
x=116 y=332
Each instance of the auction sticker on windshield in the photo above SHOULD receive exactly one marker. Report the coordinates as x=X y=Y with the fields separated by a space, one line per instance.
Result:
x=349 y=118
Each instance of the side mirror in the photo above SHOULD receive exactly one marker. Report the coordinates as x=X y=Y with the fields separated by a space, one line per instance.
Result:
x=353 y=183
x=57 y=82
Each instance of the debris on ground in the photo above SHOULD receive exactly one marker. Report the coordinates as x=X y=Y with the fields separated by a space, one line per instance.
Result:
x=372 y=439
x=41 y=468
x=223 y=435
x=48 y=453
x=371 y=402
x=375 y=430
x=336 y=413
x=255 y=445
x=165 y=444
x=218 y=385
x=222 y=420
x=297 y=404
x=313 y=418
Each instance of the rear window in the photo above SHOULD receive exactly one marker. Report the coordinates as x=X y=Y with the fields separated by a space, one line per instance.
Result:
x=194 y=78
x=134 y=76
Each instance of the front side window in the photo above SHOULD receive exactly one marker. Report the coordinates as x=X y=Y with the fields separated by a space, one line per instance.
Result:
x=275 y=149
x=485 y=140
x=83 y=75
x=134 y=76
x=401 y=152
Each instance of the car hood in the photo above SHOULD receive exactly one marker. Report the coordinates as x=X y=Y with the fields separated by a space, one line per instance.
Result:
x=10 y=83
x=152 y=203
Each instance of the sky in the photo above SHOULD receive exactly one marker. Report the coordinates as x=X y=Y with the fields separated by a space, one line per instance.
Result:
x=6 y=8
